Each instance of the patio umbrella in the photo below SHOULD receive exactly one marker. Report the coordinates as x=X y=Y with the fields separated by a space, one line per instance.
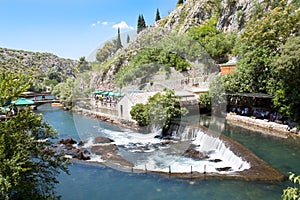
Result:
x=22 y=102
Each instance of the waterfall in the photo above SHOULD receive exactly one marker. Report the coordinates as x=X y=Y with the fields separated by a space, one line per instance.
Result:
x=216 y=149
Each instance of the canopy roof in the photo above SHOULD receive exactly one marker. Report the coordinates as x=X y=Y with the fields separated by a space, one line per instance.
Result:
x=22 y=102
x=109 y=93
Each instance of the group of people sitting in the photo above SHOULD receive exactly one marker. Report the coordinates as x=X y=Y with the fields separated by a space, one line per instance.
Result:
x=257 y=113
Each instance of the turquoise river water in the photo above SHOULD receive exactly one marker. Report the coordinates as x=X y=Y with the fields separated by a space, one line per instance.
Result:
x=98 y=182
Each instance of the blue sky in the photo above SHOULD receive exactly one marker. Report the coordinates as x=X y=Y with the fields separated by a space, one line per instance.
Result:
x=71 y=28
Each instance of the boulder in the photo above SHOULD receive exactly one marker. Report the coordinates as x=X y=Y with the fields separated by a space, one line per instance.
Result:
x=67 y=141
x=103 y=150
x=101 y=140
x=194 y=154
x=223 y=169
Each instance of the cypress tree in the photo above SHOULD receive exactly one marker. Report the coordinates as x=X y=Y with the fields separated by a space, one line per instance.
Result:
x=180 y=2
x=157 y=18
x=141 y=24
x=128 y=39
x=119 y=43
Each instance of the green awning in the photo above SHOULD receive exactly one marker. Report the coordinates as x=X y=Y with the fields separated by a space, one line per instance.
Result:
x=118 y=94
x=22 y=102
x=105 y=93
x=98 y=92
x=111 y=94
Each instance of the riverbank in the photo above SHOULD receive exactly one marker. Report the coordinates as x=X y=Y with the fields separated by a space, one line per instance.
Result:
x=107 y=118
x=266 y=127
x=259 y=170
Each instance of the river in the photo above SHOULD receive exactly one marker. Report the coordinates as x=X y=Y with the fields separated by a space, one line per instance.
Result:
x=98 y=182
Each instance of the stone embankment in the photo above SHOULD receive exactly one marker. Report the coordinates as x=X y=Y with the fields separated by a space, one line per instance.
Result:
x=108 y=118
x=271 y=128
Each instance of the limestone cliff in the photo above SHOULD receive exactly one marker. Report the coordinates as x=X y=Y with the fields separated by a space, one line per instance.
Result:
x=232 y=17
x=40 y=66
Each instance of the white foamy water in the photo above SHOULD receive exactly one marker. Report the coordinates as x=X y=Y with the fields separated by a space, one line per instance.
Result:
x=156 y=157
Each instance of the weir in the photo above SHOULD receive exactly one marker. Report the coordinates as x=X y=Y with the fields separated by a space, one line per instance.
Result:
x=244 y=164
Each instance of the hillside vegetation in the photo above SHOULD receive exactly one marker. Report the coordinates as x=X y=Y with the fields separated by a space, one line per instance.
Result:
x=42 y=69
x=199 y=34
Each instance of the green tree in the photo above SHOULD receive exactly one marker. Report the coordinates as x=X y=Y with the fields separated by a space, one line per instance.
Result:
x=217 y=44
x=128 y=39
x=180 y=2
x=141 y=24
x=259 y=46
x=83 y=65
x=157 y=17
x=119 y=42
x=160 y=110
x=205 y=99
x=140 y=113
x=286 y=81
x=29 y=164
x=292 y=193
x=65 y=91
x=107 y=51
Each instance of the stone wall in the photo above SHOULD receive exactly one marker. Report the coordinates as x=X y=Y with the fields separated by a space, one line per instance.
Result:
x=271 y=128
x=108 y=118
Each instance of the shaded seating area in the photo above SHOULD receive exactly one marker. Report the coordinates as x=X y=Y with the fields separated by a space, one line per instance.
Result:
x=106 y=99
x=256 y=105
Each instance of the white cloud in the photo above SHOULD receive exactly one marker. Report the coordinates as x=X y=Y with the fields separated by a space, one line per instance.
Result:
x=98 y=22
x=93 y=25
x=122 y=25
x=104 y=23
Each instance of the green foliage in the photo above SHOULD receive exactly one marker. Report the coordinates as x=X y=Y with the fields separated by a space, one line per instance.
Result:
x=119 y=42
x=157 y=16
x=107 y=51
x=128 y=39
x=83 y=65
x=205 y=100
x=141 y=24
x=292 y=193
x=180 y=2
x=159 y=111
x=286 y=79
x=269 y=48
x=260 y=44
x=140 y=113
x=38 y=66
x=11 y=85
x=147 y=62
x=64 y=91
x=28 y=163
x=217 y=44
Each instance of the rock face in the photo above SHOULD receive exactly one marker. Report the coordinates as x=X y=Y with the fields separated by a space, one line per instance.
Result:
x=234 y=14
x=37 y=63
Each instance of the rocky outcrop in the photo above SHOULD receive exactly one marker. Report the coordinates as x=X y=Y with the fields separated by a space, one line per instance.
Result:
x=44 y=64
x=234 y=14
x=109 y=153
x=70 y=148
x=194 y=154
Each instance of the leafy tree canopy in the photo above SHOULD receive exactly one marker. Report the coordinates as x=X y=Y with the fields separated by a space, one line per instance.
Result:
x=159 y=111
x=29 y=164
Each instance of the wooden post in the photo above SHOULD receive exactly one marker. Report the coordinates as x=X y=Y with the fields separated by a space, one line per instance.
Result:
x=191 y=169
x=170 y=169
x=204 y=169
